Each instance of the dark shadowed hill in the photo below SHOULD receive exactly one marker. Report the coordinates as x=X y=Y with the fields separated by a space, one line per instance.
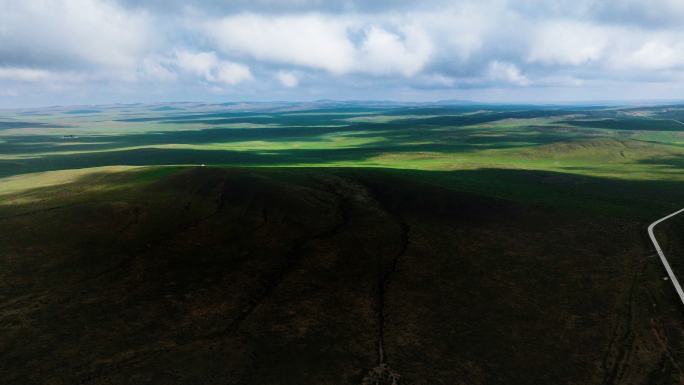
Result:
x=229 y=276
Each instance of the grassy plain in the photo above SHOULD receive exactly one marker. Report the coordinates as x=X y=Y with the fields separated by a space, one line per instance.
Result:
x=629 y=144
x=338 y=243
x=590 y=141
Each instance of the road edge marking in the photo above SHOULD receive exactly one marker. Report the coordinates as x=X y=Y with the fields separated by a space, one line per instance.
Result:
x=670 y=273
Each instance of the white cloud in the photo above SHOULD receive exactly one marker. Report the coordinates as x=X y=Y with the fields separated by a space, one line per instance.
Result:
x=654 y=54
x=383 y=52
x=198 y=63
x=460 y=32
x=157 y=68
x=323 y=42
x=438 y=80
x=607 y=50
x=559 y=81
x=359 y=48
x=32 y=75
x=506 y=72
x=208 y=66
x=652 y=12
x=24 y=74
x=307 y=40
x=568 y=42
x=232 y=73
x=287 y=79
x=60 y=33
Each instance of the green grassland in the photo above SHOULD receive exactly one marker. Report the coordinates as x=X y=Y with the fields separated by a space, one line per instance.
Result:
x=185 y=275
x=599 y=142
x=339 y=243
x=629 y=144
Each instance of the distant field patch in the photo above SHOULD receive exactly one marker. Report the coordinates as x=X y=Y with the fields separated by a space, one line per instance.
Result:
x=631 y=124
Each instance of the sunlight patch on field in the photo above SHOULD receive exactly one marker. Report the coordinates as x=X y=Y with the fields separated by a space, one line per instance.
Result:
x=11 y=187
x=388 y=118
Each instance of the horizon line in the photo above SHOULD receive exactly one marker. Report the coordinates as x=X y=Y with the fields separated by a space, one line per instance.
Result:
x=443 y=102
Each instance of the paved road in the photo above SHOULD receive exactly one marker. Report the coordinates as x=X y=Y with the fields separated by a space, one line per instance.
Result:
x=673 y=278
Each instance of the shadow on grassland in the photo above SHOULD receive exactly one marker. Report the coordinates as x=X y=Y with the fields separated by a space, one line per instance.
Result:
x=392 y=143
x=566 y=192
x=399 y=134
x=6 y=125
x=671 y=161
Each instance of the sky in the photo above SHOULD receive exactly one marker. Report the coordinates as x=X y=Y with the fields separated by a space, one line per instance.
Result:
x=58 y=52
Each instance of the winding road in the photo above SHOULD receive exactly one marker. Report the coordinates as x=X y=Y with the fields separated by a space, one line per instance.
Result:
x=670 y=273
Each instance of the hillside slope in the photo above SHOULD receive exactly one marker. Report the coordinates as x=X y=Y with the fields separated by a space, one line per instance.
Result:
x=233 y=276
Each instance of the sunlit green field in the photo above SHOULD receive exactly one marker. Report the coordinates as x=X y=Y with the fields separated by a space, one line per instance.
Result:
x=621 y=143
x=61 y=144
x=136 y=236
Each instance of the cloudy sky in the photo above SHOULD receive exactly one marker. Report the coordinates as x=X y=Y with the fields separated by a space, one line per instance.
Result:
x=101 y=51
